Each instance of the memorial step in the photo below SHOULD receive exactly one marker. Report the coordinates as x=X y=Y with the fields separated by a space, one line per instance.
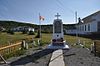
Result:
x=57 y=58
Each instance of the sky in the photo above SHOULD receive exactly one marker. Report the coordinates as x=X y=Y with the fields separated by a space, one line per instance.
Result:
x=28 y=10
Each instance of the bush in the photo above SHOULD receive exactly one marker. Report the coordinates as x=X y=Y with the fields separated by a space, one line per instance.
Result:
x=38 y=34
x=14 y=54
x=31 y=33
x=10 y=32
x=24 y=32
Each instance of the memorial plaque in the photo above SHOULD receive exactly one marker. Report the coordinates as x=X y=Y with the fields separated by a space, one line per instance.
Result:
x=57 y=27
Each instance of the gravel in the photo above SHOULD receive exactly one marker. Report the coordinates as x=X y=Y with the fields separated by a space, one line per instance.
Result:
x=39 y=57
x=80 y=57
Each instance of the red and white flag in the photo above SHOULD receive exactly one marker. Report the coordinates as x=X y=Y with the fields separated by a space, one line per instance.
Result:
x=41 y=18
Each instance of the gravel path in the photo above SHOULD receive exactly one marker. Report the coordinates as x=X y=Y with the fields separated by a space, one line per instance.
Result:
x=31 y=58
x=80 y=57
x=41 y=57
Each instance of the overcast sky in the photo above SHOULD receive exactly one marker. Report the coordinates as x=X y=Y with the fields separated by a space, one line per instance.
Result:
x=28 y=10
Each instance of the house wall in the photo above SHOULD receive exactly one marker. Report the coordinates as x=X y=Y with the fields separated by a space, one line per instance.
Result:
x=71 y=31
x=89 y=25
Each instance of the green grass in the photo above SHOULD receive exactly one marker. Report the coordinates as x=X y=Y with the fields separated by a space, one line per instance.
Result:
x=46 y=38
x=14 y=54
x=6 y=38
x=73 y=39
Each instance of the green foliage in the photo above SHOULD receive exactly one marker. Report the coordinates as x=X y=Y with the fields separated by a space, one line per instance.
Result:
x=14 y=54
x=24 y=32
x=10 y=32
x=31 y=33
x=38 y=34
x=6 y=38
x=11 y=24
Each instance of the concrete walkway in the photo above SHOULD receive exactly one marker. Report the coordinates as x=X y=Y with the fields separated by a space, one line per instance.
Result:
x=57 y=58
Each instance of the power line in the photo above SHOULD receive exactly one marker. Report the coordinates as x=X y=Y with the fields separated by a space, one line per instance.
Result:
x=60 y=3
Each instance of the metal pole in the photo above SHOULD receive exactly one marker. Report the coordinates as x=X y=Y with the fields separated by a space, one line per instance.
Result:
x=76 y=26
x=40 y=25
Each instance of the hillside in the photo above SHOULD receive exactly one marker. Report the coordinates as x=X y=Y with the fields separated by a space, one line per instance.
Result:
x=45 y=28
x=11 y=24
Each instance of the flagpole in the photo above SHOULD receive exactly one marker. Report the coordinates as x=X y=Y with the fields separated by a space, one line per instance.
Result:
x=40 y=25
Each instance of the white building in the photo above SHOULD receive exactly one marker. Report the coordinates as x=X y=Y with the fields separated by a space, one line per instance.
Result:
x=22 y=28
x=71 y=31
x=88 y=25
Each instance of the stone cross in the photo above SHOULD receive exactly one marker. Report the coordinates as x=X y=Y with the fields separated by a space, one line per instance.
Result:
x=57 y=15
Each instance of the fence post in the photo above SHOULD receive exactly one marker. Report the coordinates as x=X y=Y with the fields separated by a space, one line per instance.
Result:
x=38 y=42
x=23 y=44
x=26 y=46
x=94 y=48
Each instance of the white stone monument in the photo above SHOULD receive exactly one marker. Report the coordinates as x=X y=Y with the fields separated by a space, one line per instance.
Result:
x=58 y=36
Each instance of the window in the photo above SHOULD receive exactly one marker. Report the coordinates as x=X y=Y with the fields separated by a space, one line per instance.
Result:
x=88 y=27
x=99 y=26
x=85 y=27
x=82 y=28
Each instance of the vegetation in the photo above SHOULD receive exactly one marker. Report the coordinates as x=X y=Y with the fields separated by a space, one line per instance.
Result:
x=44 y=28
x=11 y=24
x=31 y=33
x=73 y=39
x=38 y=34
x=46 y=39
x=8 y=38
x=10 y=32
x=14 y=54
x=24 y=32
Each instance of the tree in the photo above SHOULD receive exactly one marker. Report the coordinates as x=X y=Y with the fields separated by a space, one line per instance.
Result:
x=38 y=34
x=31 y=33
x=10 y=32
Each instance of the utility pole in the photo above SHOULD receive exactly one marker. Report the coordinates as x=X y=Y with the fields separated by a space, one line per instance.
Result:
x=76 y=27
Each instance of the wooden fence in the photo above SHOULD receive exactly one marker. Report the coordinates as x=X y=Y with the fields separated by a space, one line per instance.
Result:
x=97 y=47
x=10 y=48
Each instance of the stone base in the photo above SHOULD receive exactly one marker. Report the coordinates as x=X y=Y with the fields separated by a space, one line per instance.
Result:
x=58 y=44
x=51 y=46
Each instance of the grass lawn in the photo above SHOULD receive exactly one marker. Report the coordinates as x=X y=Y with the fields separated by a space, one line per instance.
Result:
x=6 y=38
x=73 y=39
x=46 y=38
x=70 y=39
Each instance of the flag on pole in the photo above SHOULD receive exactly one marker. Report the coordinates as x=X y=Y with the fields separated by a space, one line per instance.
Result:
x=41 y=18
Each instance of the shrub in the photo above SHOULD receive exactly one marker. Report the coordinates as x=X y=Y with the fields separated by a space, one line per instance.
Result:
x=10 y=32
x=24 y=32
x=31 y=33
x=38 y=34
x=13 y=54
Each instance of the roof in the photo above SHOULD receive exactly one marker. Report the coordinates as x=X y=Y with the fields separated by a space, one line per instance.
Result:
x=89 y=18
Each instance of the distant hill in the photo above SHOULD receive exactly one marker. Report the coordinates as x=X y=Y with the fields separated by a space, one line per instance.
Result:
x=11 y=24
x=45 y=28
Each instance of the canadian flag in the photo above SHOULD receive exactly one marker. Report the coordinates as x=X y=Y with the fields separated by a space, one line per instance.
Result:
x=41 y=18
